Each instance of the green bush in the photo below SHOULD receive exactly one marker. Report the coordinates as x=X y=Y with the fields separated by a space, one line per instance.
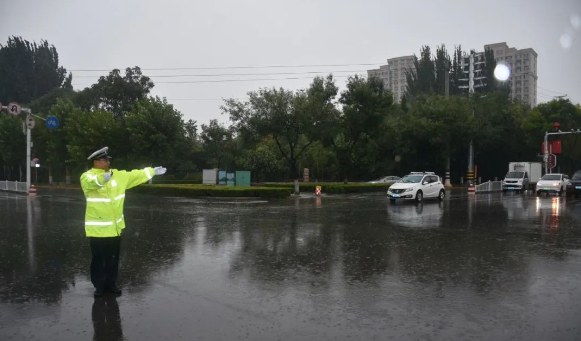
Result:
x=332 y=187
x=215 y=191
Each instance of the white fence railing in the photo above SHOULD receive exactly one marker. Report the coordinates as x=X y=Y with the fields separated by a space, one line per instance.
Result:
x=490 y=186
x=13 y=186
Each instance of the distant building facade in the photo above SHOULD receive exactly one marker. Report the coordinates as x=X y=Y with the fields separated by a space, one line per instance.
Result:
x=522 y=64
x=523 y=70
x=393 y=75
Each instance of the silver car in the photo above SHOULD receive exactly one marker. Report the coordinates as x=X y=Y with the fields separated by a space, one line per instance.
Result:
x=385 y=179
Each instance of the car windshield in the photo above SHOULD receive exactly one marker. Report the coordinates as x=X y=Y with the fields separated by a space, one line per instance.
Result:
x=551 y=177
x=515 y=175
x=411 y=179
x=577 y=176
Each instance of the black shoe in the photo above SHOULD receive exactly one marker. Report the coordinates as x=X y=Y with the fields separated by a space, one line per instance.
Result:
x=113 y=290
x=98 y=293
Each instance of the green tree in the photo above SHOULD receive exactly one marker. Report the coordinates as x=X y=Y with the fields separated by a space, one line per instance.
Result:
x=432 y=131
x=87 y=131
x=116 y=93
x=366 y=105
x=442 y=65
x=12 y=145
x=293 y=119
x=262 y=161
x=157 y=134
x=457 y=73
x=28 y=70
x=421 y=79
x=492 y=84
x=217 y=143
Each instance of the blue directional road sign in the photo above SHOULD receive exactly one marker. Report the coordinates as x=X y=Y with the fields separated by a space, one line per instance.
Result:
x=52 y=122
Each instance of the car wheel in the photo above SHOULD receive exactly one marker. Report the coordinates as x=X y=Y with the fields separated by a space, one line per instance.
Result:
x=538 y=193
x=560 y=191
x=504 y=191
x=392 y=201
x=442 y=195
x=419 y=196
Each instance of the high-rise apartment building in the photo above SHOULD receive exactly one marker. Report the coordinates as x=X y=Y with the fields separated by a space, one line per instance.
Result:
x=522 y=64
x=393 y=75
x=523 y=70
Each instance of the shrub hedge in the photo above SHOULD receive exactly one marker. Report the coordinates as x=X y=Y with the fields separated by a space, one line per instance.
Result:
x=332 y=187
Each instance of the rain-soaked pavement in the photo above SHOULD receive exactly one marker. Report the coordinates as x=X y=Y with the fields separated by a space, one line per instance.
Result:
x=349 y=267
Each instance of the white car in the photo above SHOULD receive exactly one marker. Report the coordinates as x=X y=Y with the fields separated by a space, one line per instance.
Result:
x=417 y=186
x=555 y=182
x=385 y=179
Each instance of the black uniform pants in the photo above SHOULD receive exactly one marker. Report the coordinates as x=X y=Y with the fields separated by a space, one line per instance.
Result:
x=105 y=262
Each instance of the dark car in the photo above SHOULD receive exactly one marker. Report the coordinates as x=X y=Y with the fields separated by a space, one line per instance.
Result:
x=574 y=187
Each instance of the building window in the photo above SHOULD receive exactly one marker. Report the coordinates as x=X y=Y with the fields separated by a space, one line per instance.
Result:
x=499 y=52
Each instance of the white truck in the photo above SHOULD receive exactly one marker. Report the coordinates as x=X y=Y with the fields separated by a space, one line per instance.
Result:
x=522 y=176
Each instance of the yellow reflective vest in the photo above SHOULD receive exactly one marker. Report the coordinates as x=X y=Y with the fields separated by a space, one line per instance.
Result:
x=104 y=215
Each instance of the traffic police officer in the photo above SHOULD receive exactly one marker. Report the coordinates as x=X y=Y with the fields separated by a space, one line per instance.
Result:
x=104 y=189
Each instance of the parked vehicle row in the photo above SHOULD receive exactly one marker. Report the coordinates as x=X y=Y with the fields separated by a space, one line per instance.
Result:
x=528 y=175
x=418 y=186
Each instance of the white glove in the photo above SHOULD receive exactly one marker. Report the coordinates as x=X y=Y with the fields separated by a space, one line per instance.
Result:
x=107 y=176
x=159 y=170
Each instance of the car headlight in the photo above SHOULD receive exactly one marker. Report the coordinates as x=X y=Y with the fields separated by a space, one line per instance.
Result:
x=409 y=189
x=555 y=184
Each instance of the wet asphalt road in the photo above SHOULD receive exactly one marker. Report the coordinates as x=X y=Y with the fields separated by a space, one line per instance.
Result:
x=351 y=267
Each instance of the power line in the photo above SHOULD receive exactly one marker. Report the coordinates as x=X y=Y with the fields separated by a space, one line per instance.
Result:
x=546 y=96
x=232 y=80
x=241 y=74
x=234 y=67
x=562 y=93
x=195 y=99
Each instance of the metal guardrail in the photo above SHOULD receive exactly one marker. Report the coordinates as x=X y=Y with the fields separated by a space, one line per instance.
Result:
x=13 y=186
x=490 y=186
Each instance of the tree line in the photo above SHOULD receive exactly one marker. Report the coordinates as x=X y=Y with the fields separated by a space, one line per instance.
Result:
x=358 y=133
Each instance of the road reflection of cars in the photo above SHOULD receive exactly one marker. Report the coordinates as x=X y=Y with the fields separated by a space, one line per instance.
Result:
x=421 y=216
x=518 y=208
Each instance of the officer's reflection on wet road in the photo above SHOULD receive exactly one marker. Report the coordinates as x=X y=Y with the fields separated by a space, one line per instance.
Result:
x=106 y=319
x=335 y=267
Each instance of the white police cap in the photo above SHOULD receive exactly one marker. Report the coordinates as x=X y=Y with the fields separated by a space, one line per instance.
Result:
x=100 y=154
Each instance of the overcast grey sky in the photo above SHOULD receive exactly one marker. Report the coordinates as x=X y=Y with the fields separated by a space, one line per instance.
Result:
x=108 y=34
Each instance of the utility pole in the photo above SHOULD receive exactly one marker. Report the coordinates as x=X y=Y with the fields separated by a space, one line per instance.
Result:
x=475 y=62
x=447 y=182
x=470 y=173
x=28 y=143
